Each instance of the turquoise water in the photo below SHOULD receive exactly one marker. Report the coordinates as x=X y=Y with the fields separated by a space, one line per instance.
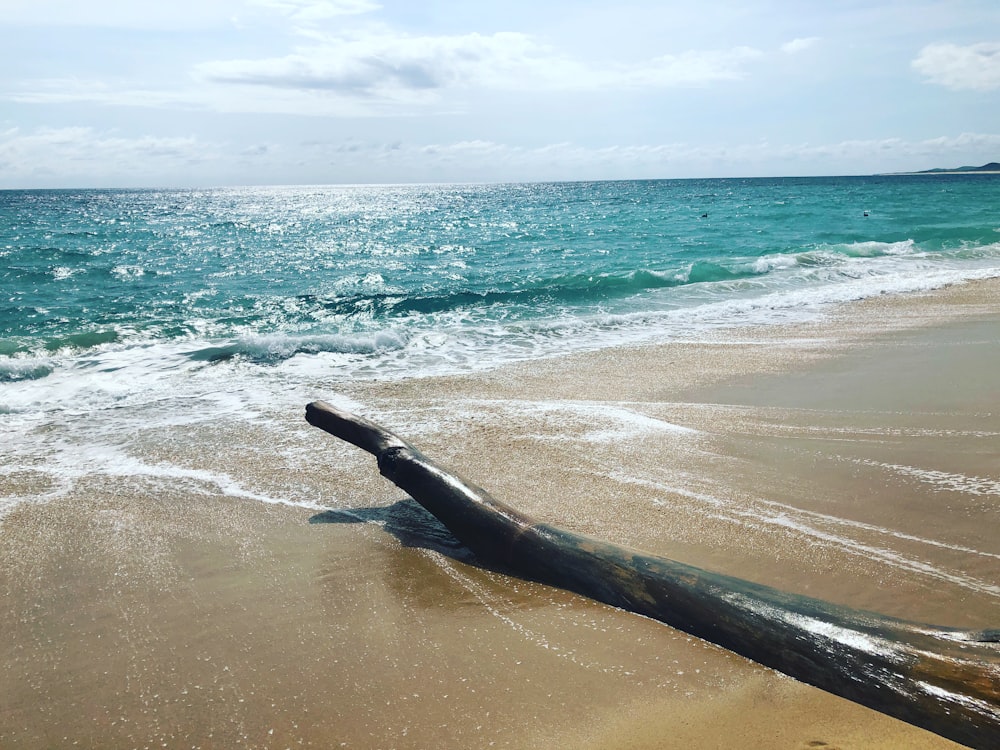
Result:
x=111 y=295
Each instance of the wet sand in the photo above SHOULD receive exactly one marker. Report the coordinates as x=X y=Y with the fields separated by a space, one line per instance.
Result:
x=852 y=460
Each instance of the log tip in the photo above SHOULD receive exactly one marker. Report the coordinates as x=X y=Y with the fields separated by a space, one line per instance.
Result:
x=354 y=429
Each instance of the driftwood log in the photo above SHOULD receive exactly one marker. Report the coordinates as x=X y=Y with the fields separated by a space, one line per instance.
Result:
x=942 y=679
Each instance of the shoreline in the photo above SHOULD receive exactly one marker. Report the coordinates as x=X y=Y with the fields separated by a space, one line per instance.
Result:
x=826 y=458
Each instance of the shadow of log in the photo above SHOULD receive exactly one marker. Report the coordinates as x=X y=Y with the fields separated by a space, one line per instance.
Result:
x=409 y=523
x=946 y=680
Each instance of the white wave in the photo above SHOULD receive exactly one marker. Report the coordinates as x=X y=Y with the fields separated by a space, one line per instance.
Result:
x=808 y=525
x=135 y=371
x=24 y=368
x=942 y=480
x=620 y=421
x=128 y=271
x=65 y=272
x=874 y=248
x=67 y=462
x=768 y=263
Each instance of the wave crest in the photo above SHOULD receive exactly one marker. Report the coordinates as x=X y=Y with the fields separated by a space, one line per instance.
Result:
x=14 y=370
x=274 y=348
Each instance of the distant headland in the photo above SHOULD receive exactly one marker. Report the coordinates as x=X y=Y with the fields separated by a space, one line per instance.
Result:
x=991 y=168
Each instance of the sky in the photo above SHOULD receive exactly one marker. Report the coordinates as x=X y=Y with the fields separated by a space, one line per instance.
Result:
x=199 y=93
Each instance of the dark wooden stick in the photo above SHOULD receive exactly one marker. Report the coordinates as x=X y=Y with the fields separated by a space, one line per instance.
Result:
x=942 y=679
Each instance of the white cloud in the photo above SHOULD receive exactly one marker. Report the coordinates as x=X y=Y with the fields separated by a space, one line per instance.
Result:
x=378 y=64
x=363 y=69
x=67 y=90
x=975 y=66
x=798 y=45
x=199 y=98
x=489 y=160
x=86 y=156
x=687 y=69
x=391 y=65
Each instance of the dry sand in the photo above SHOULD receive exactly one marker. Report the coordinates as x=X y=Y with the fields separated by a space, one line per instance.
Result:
x=853 y=460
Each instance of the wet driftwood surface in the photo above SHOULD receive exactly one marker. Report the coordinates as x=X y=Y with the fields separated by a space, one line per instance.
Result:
x=945 y=680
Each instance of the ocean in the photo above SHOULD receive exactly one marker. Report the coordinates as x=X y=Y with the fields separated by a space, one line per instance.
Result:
x=193 y=304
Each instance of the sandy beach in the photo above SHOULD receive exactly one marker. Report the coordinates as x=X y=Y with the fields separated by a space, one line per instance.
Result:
x=852 y=459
